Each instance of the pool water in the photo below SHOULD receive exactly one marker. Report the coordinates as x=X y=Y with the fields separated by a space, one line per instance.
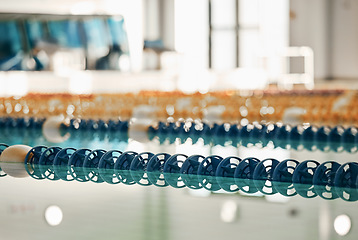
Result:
x=80 y=202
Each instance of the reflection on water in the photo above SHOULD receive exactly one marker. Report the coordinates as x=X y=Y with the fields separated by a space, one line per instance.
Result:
x=210 y=183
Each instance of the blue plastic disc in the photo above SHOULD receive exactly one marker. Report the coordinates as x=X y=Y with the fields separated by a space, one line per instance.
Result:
x=321 y=138
x=172 y=168
x=33 y=156
x=227 y=167
x=138 y=168
x=346 y=181
x=191 y=164
x=75 y=164
x=48 y=155
x=263 y=176
x=282 y=177
x=46 y=163
x=155 y=168
x=282 y=136
x=189 y=171
x=32 y=162
x=325 y=173
x=206 y=172
x=122 y=165
x=3 y=147
x=346 y=175
x=245 y=169
x=109 y=159
x=309 y=138
x=106 y=166
x=303 y=178
x=323 y=179
x=335 y=139
x=90 y=165
x=349 y=135
x=244 y=174
x=284 y=171
x=157 y=161
x=225 y=173
x=60 y=164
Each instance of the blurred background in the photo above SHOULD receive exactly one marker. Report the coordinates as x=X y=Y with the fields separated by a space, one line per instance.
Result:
x=178 y=44
x=106 y=46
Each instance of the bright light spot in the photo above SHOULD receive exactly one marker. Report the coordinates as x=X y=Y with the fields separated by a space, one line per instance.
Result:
x=199 y=192
x=277 y=198
x=244 y=122
x=70 y=109
x=191 y=80
x=135 y=145
x=342 y=225
x=53 y=215
x=224 y=151
x=124 y=63
x=191 y=22
x=65 y=63
x=26 y=109
x=228 y=211
x=8 y=108
x=170 y=109
x=80 y=83
x=262 y=153
x=132 y=13
x=189 y=148
x=270 y=110
x=238 y=78
x=257 y=194
x=243 y=111
x=15 y=84
x=83 y=8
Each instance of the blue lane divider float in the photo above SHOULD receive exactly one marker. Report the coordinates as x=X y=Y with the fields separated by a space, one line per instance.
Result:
x=324 y=138
x=83 y=125
x=21 y=122
x=75 y=124
x=308 y=179
x=2 y=148
x=308 y=137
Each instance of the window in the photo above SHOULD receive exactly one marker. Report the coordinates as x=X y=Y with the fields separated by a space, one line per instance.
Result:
x=11 y=49
x=65 y=32
x=10 y=41
x=247 y=33
x=48 y=41
x=34 y=31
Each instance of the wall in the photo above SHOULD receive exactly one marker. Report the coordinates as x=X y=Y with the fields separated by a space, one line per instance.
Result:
x=345 y=39
x=328 y=27
x=308 y=27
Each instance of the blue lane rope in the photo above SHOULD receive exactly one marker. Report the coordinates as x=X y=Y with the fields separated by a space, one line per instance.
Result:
x=285 y=136
x=308 y=179
x=297 y=137
x=2 y=148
